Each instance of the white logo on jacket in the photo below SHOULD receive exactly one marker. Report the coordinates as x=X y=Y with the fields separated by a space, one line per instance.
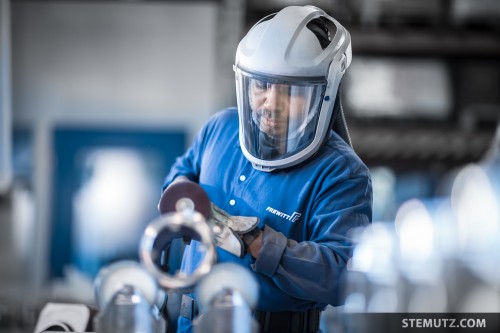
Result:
x=292 y=218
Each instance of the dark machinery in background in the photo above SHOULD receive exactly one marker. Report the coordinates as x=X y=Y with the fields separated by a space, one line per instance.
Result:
x=395 y=123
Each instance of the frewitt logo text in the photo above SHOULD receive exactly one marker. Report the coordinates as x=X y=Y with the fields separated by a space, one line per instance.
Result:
x=292 y=218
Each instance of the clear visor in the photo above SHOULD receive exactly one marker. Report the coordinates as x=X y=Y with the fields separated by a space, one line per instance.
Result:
x=279 y=118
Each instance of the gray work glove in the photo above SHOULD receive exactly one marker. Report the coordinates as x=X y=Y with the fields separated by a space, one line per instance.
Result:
x=233 y=233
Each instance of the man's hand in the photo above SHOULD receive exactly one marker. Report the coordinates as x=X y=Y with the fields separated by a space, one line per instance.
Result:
x=233 y=233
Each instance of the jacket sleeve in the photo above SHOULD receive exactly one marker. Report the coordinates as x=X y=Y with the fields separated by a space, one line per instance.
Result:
x=189 y=164
x=313 y=270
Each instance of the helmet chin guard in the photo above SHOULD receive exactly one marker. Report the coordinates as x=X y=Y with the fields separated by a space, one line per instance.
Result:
x=288 y=69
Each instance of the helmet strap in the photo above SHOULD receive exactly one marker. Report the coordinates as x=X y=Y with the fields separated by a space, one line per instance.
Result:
x=338 y=123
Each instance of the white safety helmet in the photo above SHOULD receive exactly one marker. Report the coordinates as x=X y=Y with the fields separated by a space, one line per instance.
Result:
x=288 y=69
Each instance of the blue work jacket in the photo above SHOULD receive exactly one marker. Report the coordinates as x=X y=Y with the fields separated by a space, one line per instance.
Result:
x=309 y=212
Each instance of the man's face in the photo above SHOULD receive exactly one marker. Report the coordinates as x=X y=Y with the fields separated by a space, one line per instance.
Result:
x=276 y=106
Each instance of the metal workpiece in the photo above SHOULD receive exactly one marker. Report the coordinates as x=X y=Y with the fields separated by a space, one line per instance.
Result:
x=227 y=276
x=186 y=224
x=128 y=311
x=111 y=279
x=128 y=298
x=229 y=313
x=226 y=298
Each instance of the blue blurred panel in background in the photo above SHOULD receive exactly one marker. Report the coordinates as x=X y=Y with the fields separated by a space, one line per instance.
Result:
x=106 y=186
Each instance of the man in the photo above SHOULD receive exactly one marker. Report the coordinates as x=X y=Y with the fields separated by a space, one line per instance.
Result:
x=277 y=158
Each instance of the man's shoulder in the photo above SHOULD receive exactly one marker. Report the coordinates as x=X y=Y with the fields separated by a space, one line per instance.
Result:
x=338 y=153
x=224 y=116
x=223 y=123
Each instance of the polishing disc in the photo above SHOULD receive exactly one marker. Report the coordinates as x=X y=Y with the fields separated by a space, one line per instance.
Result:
x=185 y=190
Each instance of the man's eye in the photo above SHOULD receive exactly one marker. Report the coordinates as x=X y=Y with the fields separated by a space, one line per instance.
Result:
x=260 y=85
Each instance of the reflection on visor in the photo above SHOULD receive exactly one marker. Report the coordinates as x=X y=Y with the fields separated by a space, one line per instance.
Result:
x=279 y=119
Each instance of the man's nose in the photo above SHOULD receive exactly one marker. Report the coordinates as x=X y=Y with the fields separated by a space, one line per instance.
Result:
x=272 y=96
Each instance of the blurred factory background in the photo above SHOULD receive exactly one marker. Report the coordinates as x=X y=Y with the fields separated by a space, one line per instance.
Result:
x=99 y=97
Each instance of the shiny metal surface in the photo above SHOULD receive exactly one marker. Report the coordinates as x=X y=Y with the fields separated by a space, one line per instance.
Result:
x=159 y=234
x=228 y=313
x=129 y=311
x=226 y=298
x=114 y=277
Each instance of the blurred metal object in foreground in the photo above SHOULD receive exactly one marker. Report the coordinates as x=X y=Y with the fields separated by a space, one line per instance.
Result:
x=63 y=318
x=440 y=258
x=129 y=312
x=129 y=300
x=227 y=297
x=131 y=296
x=226 y=293
x=187 y=224
x=116 y=276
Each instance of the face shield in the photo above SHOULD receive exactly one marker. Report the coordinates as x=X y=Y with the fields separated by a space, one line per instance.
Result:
x=288 y=69
x=278 y=116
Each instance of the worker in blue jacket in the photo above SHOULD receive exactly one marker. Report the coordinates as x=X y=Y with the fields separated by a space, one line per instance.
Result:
x=281 y=156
